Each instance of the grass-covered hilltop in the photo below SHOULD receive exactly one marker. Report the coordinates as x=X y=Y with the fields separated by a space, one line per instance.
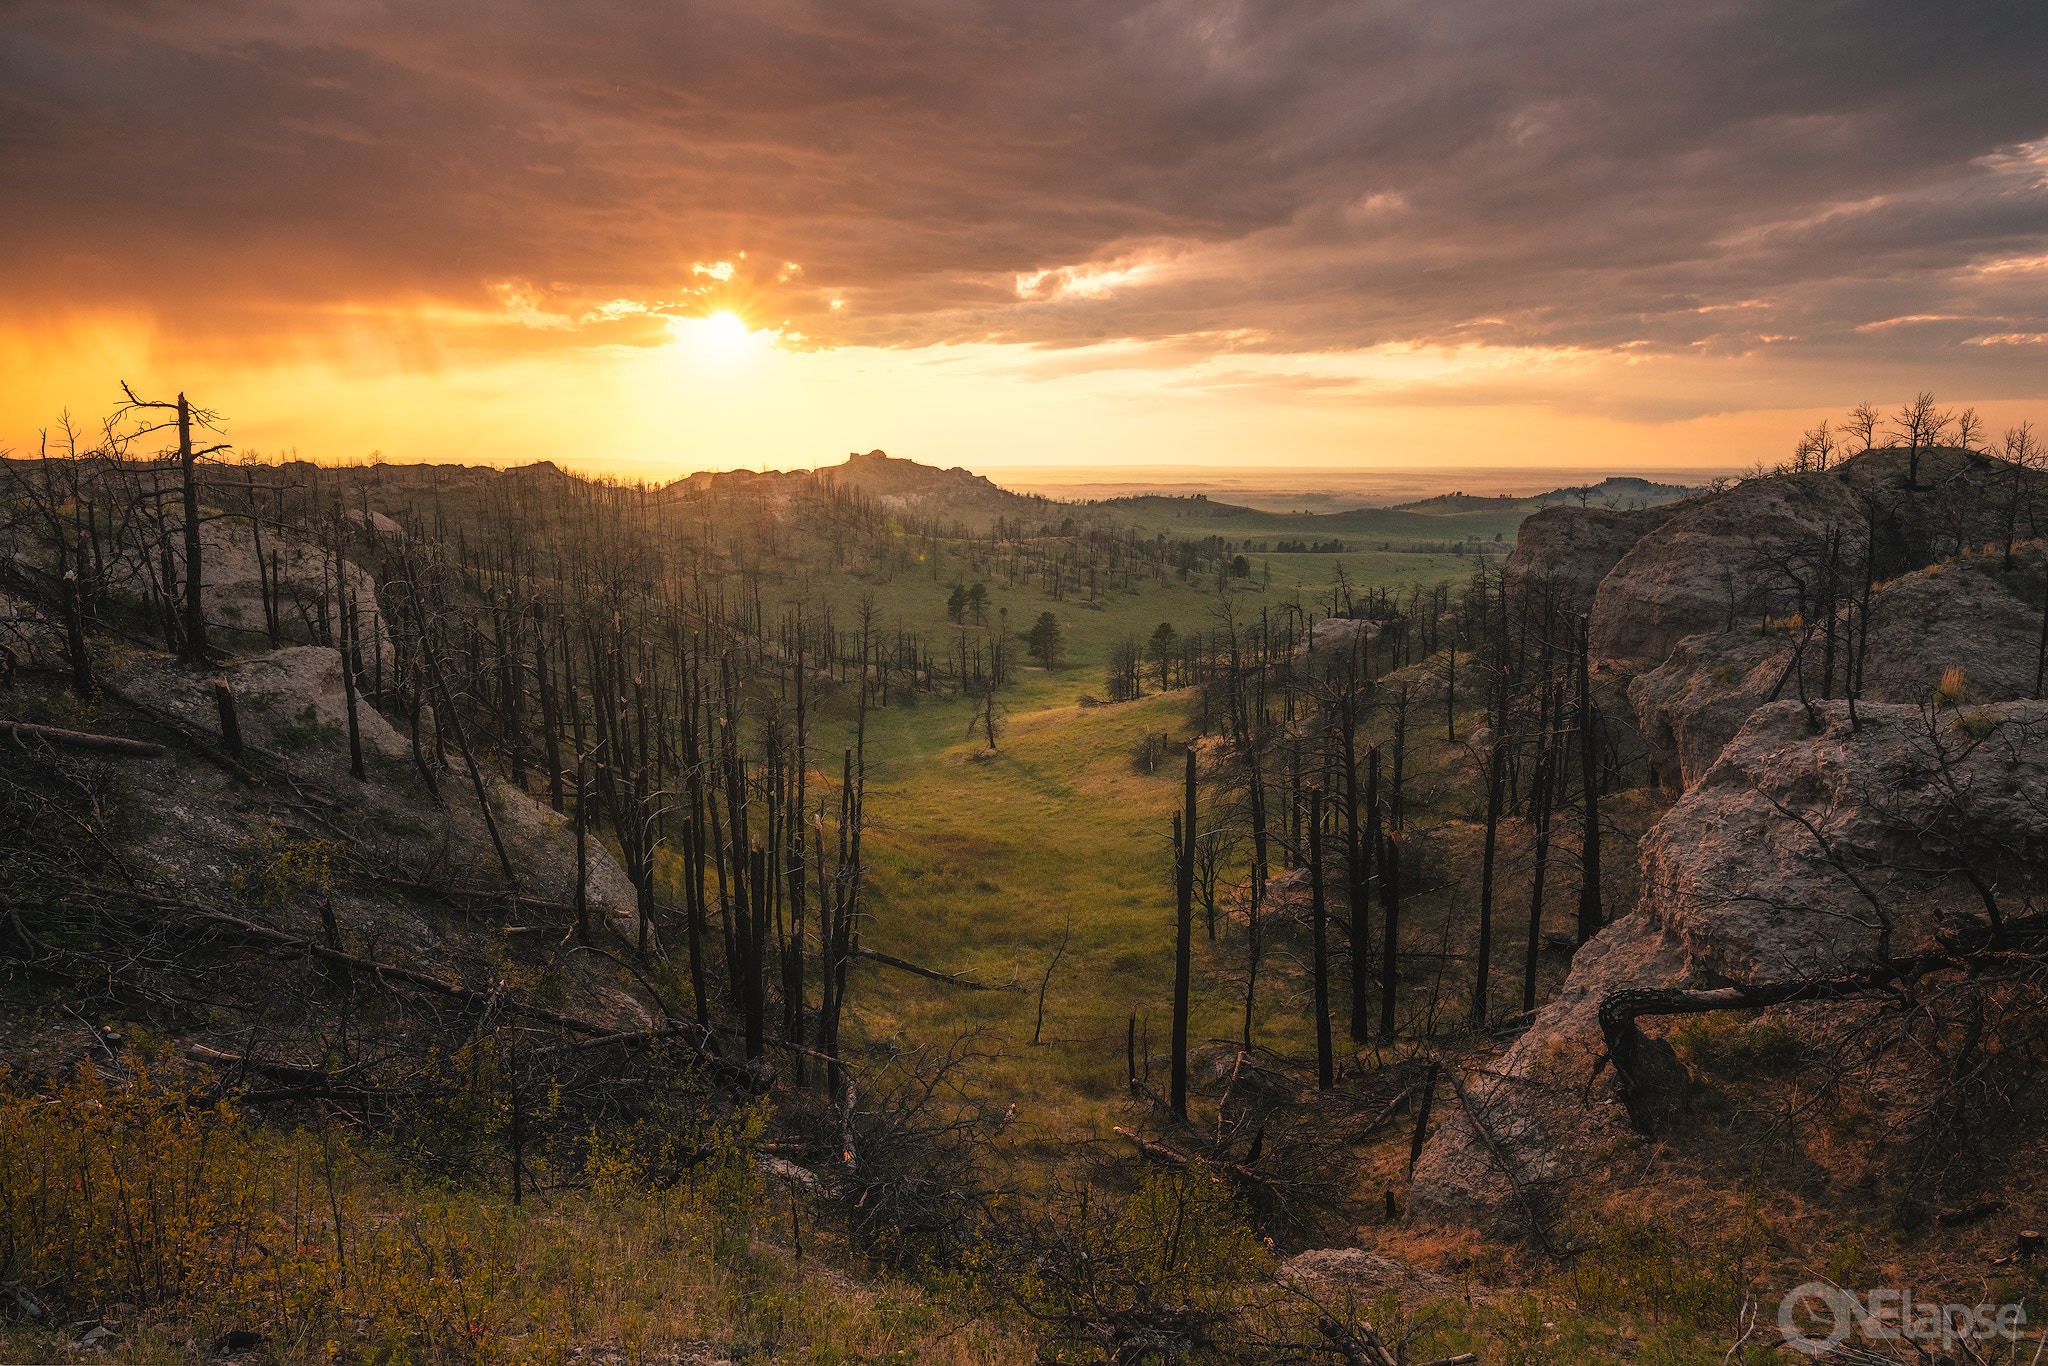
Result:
x=465 y=915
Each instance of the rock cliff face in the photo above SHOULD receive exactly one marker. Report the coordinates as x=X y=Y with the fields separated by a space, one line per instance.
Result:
x=1572 y=549
x=291 y=708
x=1794 y=812
x=1970 y=614
x=1339 y=633
x=1756 y=875
x=1700 y=572
x=1760 y=547
x=1679 y=595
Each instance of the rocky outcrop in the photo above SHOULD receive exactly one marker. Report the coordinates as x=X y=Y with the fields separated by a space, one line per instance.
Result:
x=1970 y=614
x=1339 y=633
x=1756 y=875
x=309 y=593
x=1700 y=573
x=1763 y=870
x=1755 y=870
x=291 y=709
x=1757 y=549
x=899 y=485
x=1522 y=1132
x=1571 y=549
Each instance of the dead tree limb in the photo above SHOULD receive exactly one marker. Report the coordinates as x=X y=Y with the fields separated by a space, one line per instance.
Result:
x=950 y=979
x=78 y=739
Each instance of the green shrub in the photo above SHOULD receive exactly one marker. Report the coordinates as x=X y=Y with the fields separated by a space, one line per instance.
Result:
x=307 y=731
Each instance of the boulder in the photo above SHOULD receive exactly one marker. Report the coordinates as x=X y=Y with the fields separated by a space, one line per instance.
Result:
x=1339 y=633
x=1571 y=549
x=1755 y=550
x=1969 y=613
x=1748 y=879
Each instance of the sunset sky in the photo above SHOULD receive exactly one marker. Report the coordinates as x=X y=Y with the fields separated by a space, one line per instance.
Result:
x=652 y=237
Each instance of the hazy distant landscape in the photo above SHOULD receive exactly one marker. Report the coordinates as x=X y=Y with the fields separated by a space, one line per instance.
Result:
x=1319 y=490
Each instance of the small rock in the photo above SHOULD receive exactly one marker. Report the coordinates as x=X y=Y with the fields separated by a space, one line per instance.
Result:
x=23 y=1299
x=237 y=1341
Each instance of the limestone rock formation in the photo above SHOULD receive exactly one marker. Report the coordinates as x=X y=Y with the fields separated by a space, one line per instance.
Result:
x=1971 y=614
x=1759 y=874
x=1573 y=548
x=1758 y=548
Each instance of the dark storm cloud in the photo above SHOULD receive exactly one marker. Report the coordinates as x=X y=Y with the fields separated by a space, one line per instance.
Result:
x=1714 y=176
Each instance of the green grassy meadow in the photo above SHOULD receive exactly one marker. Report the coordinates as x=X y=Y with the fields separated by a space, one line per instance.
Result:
x=980 y=864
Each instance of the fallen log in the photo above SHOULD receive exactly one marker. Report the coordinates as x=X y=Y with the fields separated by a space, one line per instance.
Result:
x=393 y=972
x=1173 y=1157
x=200 y=743
x=1358 y=1344
x=276 y=1071
x=1974 y=947
x=791 y=1175
x=1387 y=1112
x=950 y=979
x=429 y=892
x=203 y=914
x=78 y=739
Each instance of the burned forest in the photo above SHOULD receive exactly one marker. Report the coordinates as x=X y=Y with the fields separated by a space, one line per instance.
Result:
x=474 y=914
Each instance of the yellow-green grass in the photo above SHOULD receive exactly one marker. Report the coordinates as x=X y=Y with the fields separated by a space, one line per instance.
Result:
x=979 y=863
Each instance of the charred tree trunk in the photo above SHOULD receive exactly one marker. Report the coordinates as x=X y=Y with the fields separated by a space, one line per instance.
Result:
x=1541 y=795
x=1484 y=953
x=230 y=724
x=1326 y=1076
x=195 y=604
x=550 y=712
x=1183 y=937
x=1366 y=861
x=446 y=710
x=1390 y=932
x=1397 y=796
x=1590 y=918
x=74 y=626
x=582 y=851
x=349 y=664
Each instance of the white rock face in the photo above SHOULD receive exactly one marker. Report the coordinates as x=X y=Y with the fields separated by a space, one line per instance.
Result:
x=1967 y=614
x=290 y=704
x=1754 y=875
x=1571 y=549
x=1338 y=633
x=1729 y=559
x=1748 y=879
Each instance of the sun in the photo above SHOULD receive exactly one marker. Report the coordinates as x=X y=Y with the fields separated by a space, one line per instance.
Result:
x=719 y=338
x=725 y=330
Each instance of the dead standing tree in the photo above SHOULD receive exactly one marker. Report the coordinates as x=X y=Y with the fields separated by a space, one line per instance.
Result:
x=184 y=418
x=1183 y=938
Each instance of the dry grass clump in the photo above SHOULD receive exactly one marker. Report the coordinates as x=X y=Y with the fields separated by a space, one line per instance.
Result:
x=182 y=1220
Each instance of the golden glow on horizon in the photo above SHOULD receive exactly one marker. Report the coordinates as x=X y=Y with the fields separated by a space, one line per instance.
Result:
x=754 y=394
